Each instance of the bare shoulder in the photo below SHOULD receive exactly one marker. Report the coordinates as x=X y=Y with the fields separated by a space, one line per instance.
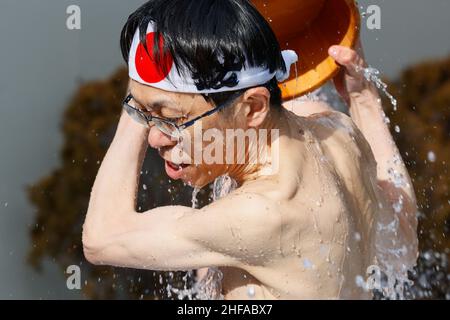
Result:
x=306 y=108
x=251 y=203
x=321 y=114
x=336 y=120
x=342 y=141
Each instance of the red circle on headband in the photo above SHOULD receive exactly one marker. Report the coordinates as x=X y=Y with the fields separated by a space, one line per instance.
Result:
x=146 y=65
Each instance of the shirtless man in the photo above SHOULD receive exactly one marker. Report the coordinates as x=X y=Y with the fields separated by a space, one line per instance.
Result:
x=304 y=231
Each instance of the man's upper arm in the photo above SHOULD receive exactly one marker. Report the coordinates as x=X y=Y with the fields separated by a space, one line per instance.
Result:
x=241 y=226
x=233 y=231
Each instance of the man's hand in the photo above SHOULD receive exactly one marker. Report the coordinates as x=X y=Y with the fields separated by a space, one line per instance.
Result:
x=349 y=81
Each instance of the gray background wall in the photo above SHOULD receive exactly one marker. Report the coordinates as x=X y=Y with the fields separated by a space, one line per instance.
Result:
x=35 y=45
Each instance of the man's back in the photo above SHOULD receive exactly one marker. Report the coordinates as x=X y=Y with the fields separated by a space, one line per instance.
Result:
x=327 y=203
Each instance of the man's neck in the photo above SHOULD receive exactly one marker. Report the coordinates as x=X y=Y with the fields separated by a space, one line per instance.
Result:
x=265 y=152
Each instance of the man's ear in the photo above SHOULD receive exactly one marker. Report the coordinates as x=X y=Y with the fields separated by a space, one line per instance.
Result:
x=256 y=105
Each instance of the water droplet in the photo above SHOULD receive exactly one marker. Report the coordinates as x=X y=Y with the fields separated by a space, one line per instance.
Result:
x=319 y=202
x=360 y=282
x=427 y=255
x=251 y=291
x=397 y=159
x=431 y=156
x=307 y=263
x=323 y=250
x=398 y=206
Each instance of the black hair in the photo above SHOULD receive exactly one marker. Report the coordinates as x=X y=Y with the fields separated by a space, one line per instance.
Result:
x=210 y=38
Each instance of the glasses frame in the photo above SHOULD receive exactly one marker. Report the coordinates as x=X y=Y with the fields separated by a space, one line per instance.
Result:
x=178 y=128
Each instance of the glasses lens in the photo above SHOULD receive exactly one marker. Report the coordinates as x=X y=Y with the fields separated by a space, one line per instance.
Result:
x=167 y=128
x=135 y=115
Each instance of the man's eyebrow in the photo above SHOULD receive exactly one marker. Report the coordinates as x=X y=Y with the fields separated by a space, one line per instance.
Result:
x=162 y=103
x=157 y=104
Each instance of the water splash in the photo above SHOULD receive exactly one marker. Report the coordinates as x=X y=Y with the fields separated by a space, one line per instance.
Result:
x=392 y=253
x=223 y=185
x=373 y=75
x=210 y=286
x=194 y=200
x=431 y=277
x=187 y=291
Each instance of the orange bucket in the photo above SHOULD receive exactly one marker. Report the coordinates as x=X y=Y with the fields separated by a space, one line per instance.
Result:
x=310 y=27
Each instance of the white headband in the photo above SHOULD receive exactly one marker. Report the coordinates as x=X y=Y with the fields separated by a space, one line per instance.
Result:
x=143 y=69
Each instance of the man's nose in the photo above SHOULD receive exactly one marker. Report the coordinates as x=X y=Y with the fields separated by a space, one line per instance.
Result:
x=157 y=139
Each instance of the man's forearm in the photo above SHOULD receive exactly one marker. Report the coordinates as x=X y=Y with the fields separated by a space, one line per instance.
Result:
x=367 y=112
x=393 y=178
x=114 y=192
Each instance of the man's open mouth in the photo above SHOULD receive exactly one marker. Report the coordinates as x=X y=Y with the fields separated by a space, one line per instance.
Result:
x=173 y=170
x=175 y=166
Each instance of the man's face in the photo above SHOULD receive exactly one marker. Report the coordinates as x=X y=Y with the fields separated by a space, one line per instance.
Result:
x=185 y=159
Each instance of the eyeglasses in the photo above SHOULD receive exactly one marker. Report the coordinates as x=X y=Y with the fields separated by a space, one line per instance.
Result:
x=169 y=127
